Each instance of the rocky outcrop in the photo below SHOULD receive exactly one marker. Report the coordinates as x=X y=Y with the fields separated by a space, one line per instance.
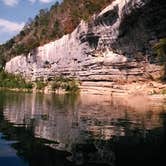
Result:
x=114 y=46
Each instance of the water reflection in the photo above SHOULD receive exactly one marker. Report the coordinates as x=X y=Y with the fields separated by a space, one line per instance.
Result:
x=87 y=128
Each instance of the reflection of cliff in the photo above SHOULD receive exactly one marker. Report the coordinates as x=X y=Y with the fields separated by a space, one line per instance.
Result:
x=53 y=117
x=68 y=120
x=119 y=117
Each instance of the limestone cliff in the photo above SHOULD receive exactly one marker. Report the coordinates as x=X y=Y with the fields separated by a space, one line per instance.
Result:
x=114 y=46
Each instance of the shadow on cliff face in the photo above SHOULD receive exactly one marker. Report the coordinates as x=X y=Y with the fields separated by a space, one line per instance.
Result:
x=108 y=18
x=142 y=28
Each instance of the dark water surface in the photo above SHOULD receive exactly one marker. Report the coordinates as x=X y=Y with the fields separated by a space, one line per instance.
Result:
x=68 y=130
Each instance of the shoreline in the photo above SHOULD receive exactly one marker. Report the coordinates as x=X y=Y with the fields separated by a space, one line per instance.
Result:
x=151 y=89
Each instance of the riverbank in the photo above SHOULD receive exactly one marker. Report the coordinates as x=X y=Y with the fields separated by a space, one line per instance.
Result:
x=150 y=88
x=59 y=84
x=63 y=85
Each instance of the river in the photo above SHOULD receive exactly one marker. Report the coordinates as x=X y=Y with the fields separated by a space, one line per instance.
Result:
x=69 y=130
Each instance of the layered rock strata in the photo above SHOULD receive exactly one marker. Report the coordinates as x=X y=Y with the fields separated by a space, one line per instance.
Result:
x=115 y=46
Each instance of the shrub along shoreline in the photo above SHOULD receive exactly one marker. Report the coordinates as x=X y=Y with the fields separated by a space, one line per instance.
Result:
x=18 y=83
x=13 y=81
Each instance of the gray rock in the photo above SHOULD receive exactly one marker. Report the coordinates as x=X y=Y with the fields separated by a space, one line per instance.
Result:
x=87 y=53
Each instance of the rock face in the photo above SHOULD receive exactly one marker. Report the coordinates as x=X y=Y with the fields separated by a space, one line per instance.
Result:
x=127 y=27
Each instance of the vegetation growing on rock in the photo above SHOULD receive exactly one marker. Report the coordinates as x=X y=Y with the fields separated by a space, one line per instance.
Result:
x=40 y=85
x=67 y=84
x=13 y=81
x=160 y=49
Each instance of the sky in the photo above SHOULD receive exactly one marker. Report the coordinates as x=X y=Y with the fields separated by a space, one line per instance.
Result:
x=15 y=13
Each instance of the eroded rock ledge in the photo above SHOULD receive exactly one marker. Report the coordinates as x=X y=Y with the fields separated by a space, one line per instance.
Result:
x=104 y=50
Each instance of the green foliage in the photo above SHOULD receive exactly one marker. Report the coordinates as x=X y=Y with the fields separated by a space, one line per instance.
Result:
x=56 y=26
x=10 y=43
x=2 y=62
x=40 y=85
x=13 y=81
x=21 y=48
x=160 y=49
x=2 y=57
x=67 y=84
x=163 y=91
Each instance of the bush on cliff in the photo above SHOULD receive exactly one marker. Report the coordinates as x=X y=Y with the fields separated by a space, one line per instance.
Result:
x=13 y=81
x=67 y=84
x=160 y=49
x=40 y=85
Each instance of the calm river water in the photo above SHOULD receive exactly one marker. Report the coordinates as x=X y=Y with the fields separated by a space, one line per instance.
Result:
x=69 y=130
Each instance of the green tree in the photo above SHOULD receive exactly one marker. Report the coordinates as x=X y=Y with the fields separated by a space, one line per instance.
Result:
x=160 y=49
